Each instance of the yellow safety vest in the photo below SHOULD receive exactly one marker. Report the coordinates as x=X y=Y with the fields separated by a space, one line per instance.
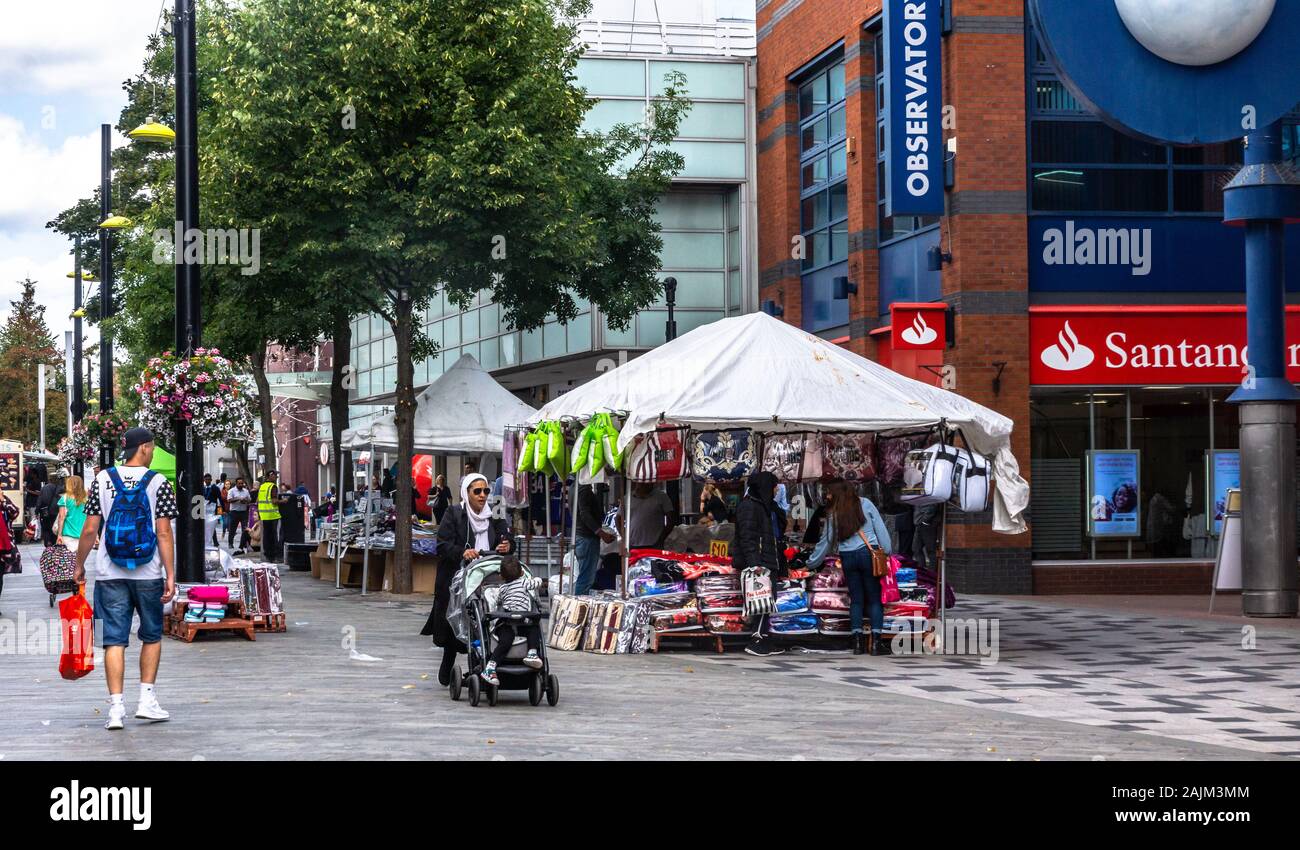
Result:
x=266 y=508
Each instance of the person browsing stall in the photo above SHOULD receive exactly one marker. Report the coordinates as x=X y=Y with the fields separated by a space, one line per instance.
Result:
x=759 y=524
x=853 y=524
x=467 y=530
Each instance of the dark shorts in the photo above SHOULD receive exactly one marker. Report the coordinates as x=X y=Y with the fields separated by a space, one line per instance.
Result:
x=117 y=600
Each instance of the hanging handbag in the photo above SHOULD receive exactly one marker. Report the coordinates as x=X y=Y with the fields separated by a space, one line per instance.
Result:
x=850 y=457
x=879 y=558
x=972 y=480
x=792 y=457
x=928 y=475
x=659 y=456
x=757 y=584
x=720 y=456
x=889 y=591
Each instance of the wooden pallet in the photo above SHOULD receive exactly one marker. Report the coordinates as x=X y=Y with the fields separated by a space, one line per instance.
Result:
x=269 y=622
x=182 y=630
x=656 y=637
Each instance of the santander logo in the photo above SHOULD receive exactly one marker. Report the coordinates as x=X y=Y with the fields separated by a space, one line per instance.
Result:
x=919 y=333
x=1068 y=355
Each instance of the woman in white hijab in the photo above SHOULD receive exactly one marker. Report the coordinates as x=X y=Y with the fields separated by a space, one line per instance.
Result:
x=467 y=531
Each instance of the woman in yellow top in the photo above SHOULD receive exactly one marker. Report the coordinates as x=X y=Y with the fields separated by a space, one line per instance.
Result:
x=72 y=512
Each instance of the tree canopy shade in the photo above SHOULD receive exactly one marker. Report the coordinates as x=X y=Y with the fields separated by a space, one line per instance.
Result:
x=417 y=147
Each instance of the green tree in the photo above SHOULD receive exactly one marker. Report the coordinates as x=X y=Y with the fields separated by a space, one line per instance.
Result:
x=25 y=343
x=438 y=146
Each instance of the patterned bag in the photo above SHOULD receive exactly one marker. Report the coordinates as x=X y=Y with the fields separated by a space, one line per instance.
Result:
x=793 y=457
x=851 y=457
x=603 y=626
x=568 y=622
x=659 y=456
x=58 y=566
x=634 y=632
x=891 y=454
x=720 y=456
x=757 y=582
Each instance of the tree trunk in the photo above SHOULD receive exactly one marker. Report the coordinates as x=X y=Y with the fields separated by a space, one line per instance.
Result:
x=241 y=460
x=404 y=419
x=339 y=384
x=264 y=404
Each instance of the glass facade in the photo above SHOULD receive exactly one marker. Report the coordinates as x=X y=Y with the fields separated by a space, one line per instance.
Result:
x=823 y=193
x=1171 y=428
x=704 y=231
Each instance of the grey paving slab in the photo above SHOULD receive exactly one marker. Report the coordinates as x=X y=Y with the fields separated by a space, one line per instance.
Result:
x=299 y=695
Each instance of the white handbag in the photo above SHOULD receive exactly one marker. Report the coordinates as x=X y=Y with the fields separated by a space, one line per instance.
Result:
x=972 y=482
x=927 y=475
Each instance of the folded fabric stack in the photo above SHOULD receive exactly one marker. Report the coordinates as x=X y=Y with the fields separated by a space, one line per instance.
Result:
x=793 y=624
x=722 y=603
x=424 y=545
x=793 y=601
x=718 y=584
x=647 y=586
x=729 y=624
x=830 y=625
x=204 y=612
x=833 y=602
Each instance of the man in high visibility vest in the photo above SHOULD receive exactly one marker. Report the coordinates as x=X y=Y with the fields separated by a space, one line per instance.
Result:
x=268 y=514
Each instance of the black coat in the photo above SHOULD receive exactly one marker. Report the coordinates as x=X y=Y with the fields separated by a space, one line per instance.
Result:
x=756 y=542
x=454 y=537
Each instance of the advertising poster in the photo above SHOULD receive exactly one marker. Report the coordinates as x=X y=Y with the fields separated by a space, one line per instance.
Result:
x=1114 y=503
x=1223 y=471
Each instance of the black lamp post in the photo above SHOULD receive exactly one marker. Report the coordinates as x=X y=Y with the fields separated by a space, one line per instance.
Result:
x=105 y=282
x=670 y=295
x=189 y=300
x=78 y=401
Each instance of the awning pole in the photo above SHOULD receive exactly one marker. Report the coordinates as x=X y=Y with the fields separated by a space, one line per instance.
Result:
x=365 y=558
x=627 y=528
x=339 y=502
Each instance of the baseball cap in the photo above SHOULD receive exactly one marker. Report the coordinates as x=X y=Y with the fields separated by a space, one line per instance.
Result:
x=133 y=439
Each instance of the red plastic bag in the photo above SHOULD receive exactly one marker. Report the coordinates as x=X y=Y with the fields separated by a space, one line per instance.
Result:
x=78 y=620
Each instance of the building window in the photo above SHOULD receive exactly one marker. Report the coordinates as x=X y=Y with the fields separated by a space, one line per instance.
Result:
x=891 y=226
x=823 y=199
x=1080 y=165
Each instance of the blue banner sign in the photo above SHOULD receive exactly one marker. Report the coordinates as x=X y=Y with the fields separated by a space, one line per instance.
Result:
x=1136 y=254
x=1114 y=503
x=914 y=94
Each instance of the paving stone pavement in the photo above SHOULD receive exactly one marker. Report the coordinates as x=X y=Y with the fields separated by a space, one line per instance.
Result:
x=299 y=695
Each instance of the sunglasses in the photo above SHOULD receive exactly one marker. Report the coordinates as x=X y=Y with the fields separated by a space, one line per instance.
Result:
x=480 y=491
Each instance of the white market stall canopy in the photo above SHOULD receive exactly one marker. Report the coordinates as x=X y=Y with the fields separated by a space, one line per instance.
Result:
x=465 y=411
x=758 y=372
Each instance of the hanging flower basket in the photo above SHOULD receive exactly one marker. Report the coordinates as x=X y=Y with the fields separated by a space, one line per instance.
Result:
x=201 y=390
x=90 y=434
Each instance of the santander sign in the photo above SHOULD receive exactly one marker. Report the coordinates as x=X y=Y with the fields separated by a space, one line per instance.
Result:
x=1108 y=346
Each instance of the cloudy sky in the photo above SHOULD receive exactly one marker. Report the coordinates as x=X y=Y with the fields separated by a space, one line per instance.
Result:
x=62 y=63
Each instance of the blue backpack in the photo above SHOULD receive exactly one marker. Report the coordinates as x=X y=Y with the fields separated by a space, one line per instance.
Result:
x=129 y=536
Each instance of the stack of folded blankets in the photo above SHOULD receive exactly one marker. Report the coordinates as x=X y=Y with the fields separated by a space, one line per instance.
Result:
x=205 y=612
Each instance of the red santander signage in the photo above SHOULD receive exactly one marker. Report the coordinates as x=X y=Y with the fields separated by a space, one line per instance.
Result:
x=1136 y=345
x=918 y=327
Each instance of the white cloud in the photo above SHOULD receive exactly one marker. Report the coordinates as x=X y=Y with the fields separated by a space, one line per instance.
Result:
x=40 y=181
x=61 y=46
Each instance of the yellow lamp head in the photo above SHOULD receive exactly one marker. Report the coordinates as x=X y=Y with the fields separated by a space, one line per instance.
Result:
x=115 y=222
x=152 y=131
x=79 y=314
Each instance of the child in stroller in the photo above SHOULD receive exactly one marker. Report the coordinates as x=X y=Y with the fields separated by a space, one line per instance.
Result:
x=516 y=596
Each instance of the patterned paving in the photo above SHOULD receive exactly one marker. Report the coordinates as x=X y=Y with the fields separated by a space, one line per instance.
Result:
x=1188 y=680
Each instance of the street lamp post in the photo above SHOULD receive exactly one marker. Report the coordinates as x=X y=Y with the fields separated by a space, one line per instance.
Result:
x=670 y=295
x=189 y=301
x=105 y=281
x=78 y=401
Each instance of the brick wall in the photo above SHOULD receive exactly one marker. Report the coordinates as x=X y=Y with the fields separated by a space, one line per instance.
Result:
x=1157 y=578
x=987 y=282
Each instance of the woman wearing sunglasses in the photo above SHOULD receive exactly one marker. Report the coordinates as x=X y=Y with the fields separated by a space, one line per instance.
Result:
x=467 y=530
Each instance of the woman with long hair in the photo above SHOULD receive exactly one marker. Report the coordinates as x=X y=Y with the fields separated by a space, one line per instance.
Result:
x=854 y=527
x=72 y=512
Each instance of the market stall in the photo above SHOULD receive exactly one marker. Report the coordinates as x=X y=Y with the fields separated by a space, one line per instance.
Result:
x=463 y=412
x=753 y=392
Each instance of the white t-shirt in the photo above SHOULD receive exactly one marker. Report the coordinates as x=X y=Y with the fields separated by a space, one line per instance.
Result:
x=162 y=501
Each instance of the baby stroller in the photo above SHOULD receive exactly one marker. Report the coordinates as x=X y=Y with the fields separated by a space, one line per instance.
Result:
x=473 y=618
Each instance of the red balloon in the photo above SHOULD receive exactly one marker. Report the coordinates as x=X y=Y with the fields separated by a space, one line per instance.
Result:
x=422 y=475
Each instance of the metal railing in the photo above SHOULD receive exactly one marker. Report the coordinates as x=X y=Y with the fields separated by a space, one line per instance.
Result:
x=724 y=38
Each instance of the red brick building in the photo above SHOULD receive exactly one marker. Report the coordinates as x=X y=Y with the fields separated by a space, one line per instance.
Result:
x=986 y=283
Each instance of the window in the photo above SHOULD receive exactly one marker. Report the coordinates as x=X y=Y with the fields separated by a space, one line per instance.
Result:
x=823 y=167
x=1078 y=164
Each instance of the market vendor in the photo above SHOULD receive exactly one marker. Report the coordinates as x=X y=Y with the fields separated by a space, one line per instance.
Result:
x=467 y=531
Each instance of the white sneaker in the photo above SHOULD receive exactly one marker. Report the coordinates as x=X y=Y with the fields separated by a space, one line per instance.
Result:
x=151 y=710
x=533 y=660
x=116 y=716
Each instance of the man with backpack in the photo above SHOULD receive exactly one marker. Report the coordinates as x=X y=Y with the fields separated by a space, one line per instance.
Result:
x=134 y=565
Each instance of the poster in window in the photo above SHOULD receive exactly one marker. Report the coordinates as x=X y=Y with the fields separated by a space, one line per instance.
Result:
x=1114 y=503
x=1223 y=473
x=9 y=471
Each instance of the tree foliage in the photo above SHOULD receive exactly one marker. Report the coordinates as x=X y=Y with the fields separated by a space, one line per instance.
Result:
x=25 y=343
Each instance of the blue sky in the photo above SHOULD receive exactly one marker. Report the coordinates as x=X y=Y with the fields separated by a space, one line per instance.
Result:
x=62 y=64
